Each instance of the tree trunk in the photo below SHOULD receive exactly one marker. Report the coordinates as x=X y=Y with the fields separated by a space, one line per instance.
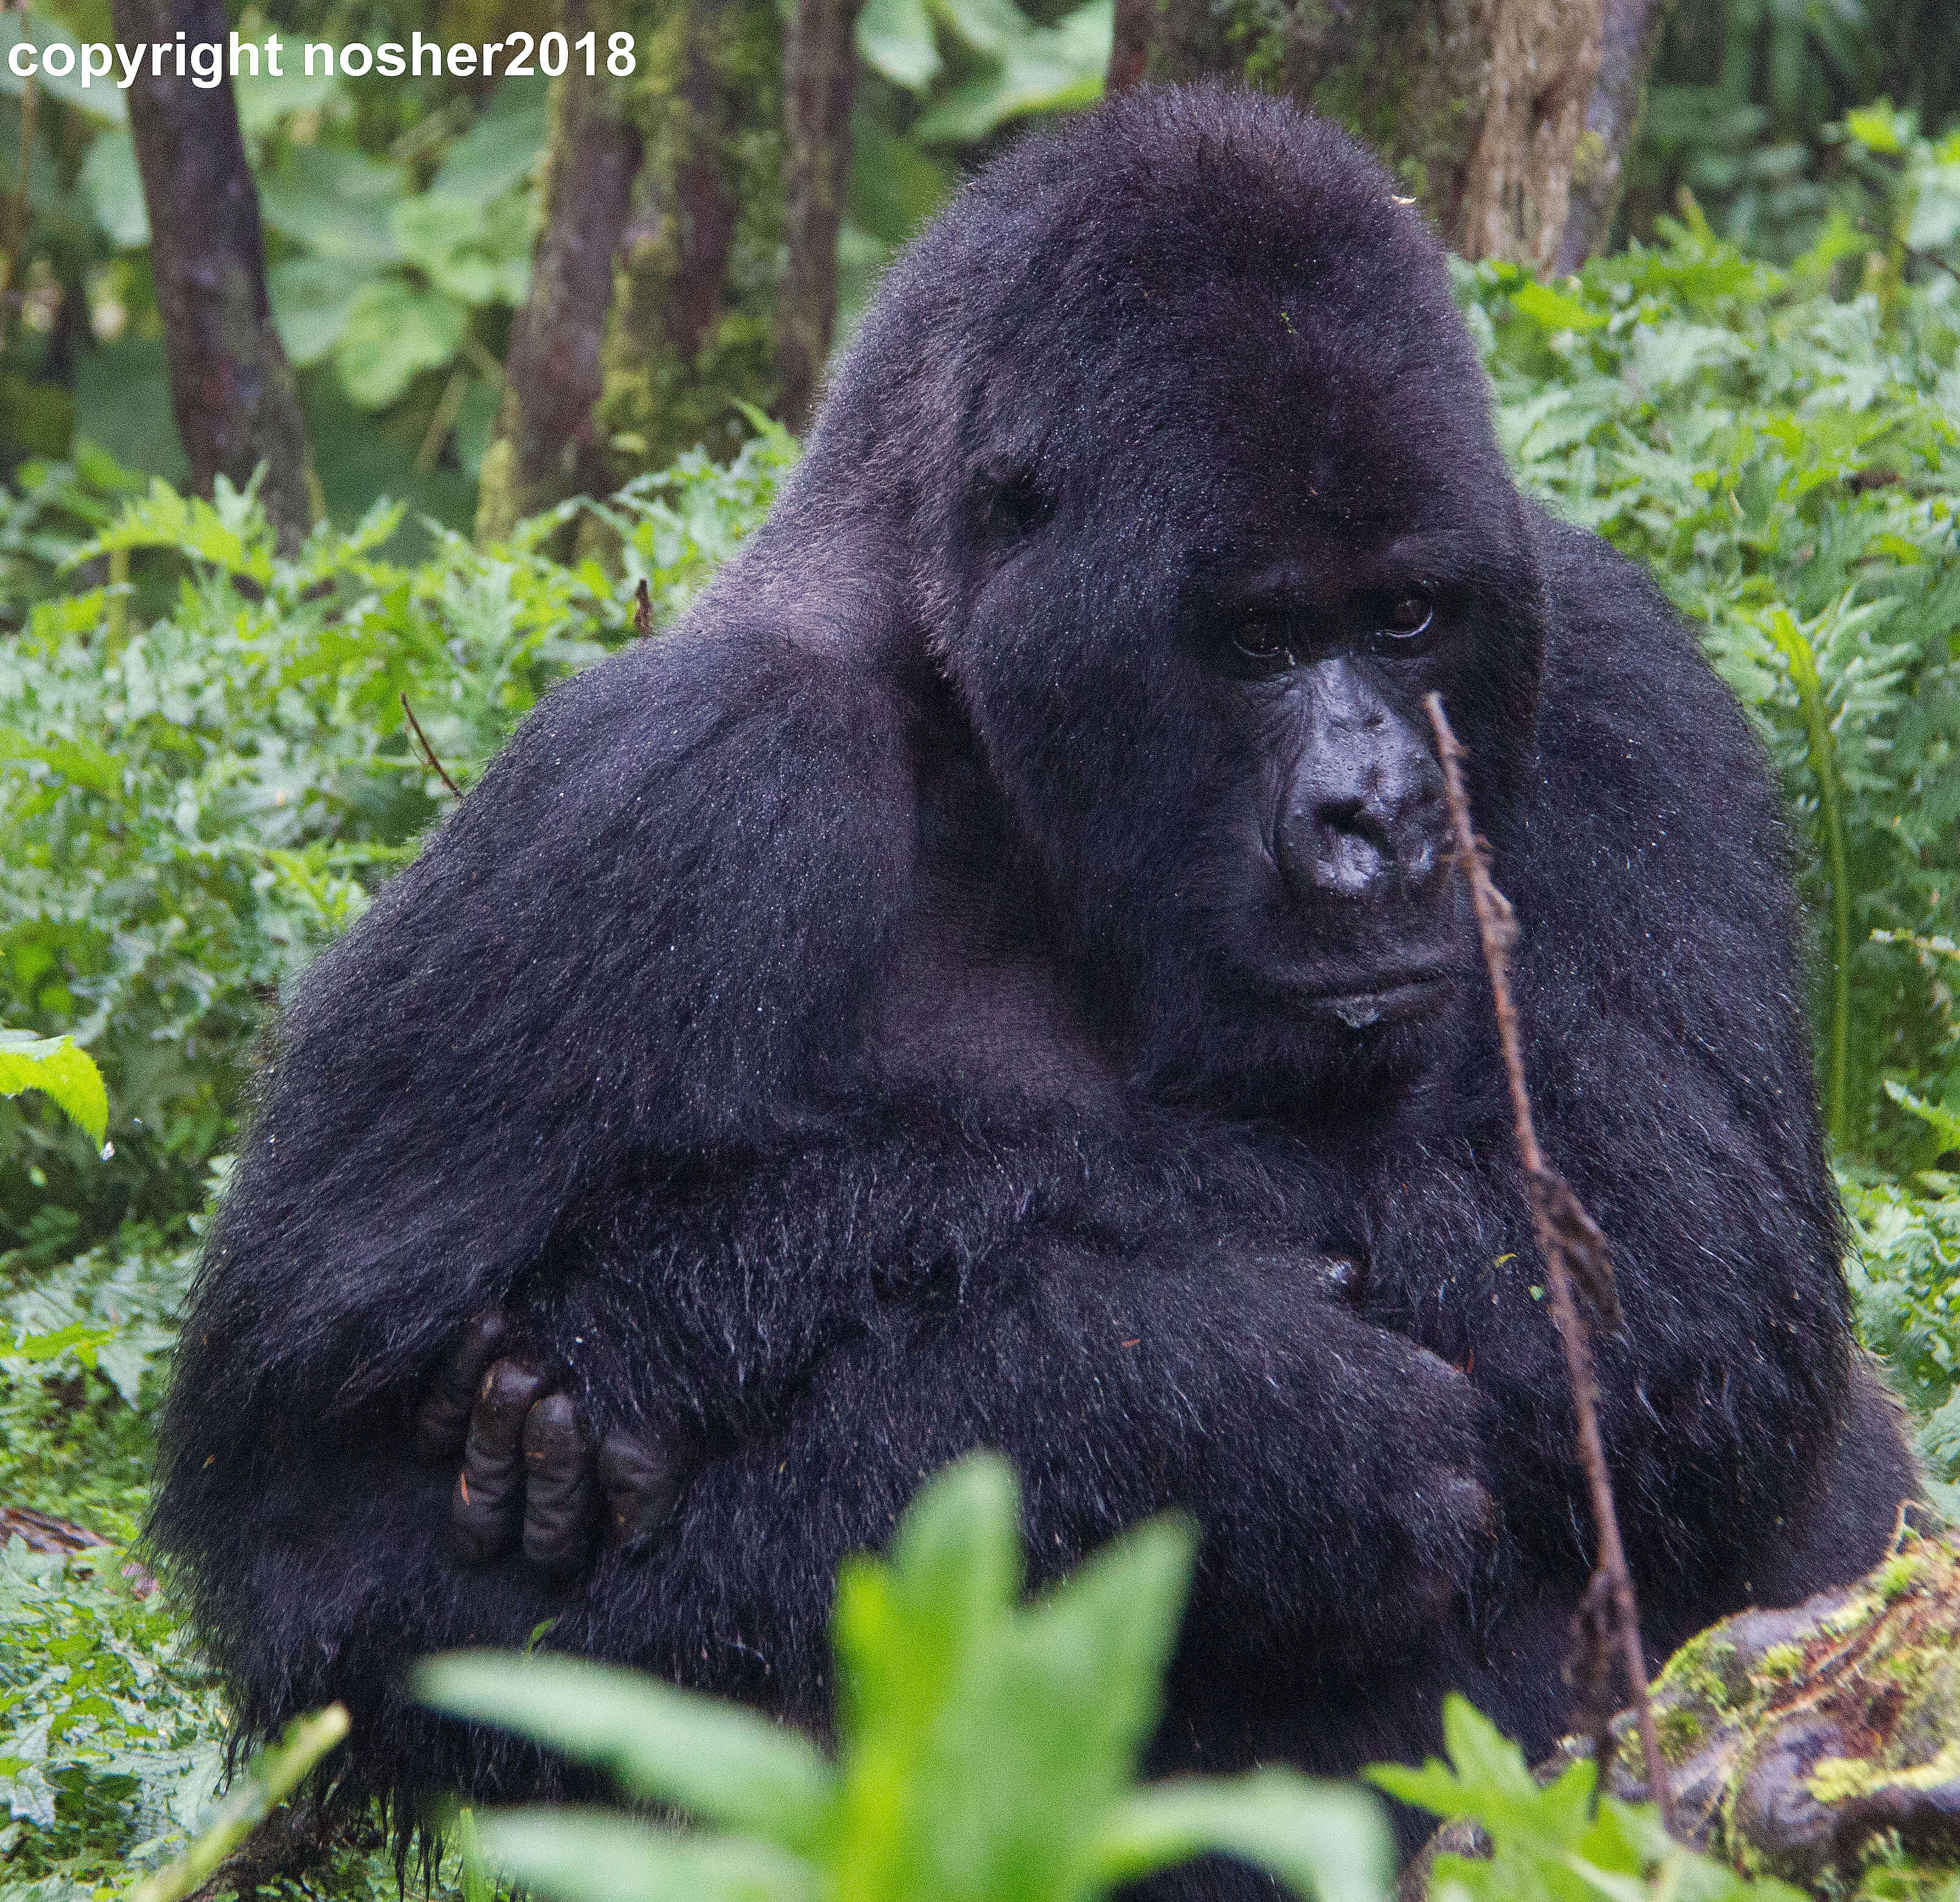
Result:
x=1476 y=105
x=820 y=62
x=1627 y=40
x=231 y=388
x=690 y=336
x=1545 y=56
x=544 y=449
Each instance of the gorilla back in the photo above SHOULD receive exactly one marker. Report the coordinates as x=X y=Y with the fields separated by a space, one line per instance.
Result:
x=991 y=976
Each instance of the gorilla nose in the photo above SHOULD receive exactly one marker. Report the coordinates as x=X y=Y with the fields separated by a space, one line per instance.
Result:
x=1362 y=815
x=1353 y=850
x=1362 y=841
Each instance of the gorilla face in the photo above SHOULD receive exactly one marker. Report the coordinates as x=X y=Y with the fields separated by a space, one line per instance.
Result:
x=1201 y=674
x=1351 y=922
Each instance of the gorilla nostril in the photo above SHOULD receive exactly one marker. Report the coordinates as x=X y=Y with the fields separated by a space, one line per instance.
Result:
x=1350 y=865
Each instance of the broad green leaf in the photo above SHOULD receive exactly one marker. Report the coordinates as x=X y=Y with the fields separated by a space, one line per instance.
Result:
x=895 y=37
x=710 y=1758
x=264 y=102
x=312 y=298
x=58 y=1068
x=394 y=332
x=1936 y=209
x=1042 y=69
x=988 y=27
x=1555 y=310
x=478 y=254
x=114 y=189
x=100 y=98
x=1327 y=1840
x=955 y=1571
x=501 y=149
x=590 y=1856
x=895 y=185
x=1878 y=128
x=334 y=202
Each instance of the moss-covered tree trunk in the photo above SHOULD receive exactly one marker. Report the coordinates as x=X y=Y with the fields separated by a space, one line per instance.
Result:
x=652 y=309
x=819 y=62
x=544 y=448
x=1477 y=105
x=231 y=388
x=692 y=333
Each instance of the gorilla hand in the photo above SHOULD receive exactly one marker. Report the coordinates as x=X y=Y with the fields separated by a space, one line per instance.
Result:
x=528 y=1475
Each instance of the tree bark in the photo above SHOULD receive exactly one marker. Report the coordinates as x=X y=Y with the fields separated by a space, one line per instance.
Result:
x=692 y=332
x=544 y=449
x=1476 y=105
x=1130 y=47
x=1545 y=56
x=1628 y=38
x=231 y=388
x=819 y=63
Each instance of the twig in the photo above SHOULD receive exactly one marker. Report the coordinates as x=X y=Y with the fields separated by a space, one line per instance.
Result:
x=428 y=752
x=643 y=611
x=1563 y=1229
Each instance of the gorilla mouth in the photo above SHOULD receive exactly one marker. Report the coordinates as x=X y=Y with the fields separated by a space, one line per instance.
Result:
x=1393 y=1000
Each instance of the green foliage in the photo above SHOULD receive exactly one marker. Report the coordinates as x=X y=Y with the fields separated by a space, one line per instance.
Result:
x=986 y=1748
x=272 y=1777
x=109 y=1729
x=204 y=772
x=384 y=281
x=54 y=1065
x=1003 y=65
x=1755 y=105
x=1552 y=1842
x=1905 y=1273
x=1786 y=463
x=211 y=796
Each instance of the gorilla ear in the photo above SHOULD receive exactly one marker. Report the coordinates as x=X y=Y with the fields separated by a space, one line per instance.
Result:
x=1012 y=504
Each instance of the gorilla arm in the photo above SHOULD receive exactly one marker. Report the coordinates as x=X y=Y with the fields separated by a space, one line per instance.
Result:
x=583 y=1063
x=1659 y=990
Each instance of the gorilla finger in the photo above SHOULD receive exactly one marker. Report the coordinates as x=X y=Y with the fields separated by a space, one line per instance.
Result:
x=443 y=1423
x=642 y=1480
x=489 y=1500
x=560 y=1496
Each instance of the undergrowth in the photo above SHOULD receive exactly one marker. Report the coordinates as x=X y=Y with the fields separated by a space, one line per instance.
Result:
x=205 y=771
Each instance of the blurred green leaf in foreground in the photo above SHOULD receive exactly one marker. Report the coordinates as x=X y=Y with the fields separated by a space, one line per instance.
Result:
x=987 y=1747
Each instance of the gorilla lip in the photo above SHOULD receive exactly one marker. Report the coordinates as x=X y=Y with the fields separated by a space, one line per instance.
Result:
x=1389 y=1002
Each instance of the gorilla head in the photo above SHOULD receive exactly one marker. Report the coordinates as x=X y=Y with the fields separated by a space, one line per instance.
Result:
x=1193 y=446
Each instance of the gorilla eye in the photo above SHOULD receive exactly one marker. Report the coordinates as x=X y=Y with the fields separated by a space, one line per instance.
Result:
x=1015 y=506
x=1405 y=620
x=1264 y=642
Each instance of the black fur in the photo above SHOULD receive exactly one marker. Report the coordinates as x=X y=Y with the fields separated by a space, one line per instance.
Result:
x=825 y=1031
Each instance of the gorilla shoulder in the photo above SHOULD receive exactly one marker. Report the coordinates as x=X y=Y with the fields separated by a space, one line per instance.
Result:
x=713 y=831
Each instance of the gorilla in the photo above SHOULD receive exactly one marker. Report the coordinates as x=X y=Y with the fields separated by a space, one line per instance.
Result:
x=993 y=975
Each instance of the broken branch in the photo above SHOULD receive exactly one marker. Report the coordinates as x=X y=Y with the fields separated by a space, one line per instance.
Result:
x=1565 y=1230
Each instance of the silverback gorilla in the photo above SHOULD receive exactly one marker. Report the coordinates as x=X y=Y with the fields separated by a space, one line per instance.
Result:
x=992 y=976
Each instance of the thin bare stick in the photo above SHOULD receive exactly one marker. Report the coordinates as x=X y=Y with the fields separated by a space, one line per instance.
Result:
x=643 y=611
x=1563 y=1227
x=428 y=752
